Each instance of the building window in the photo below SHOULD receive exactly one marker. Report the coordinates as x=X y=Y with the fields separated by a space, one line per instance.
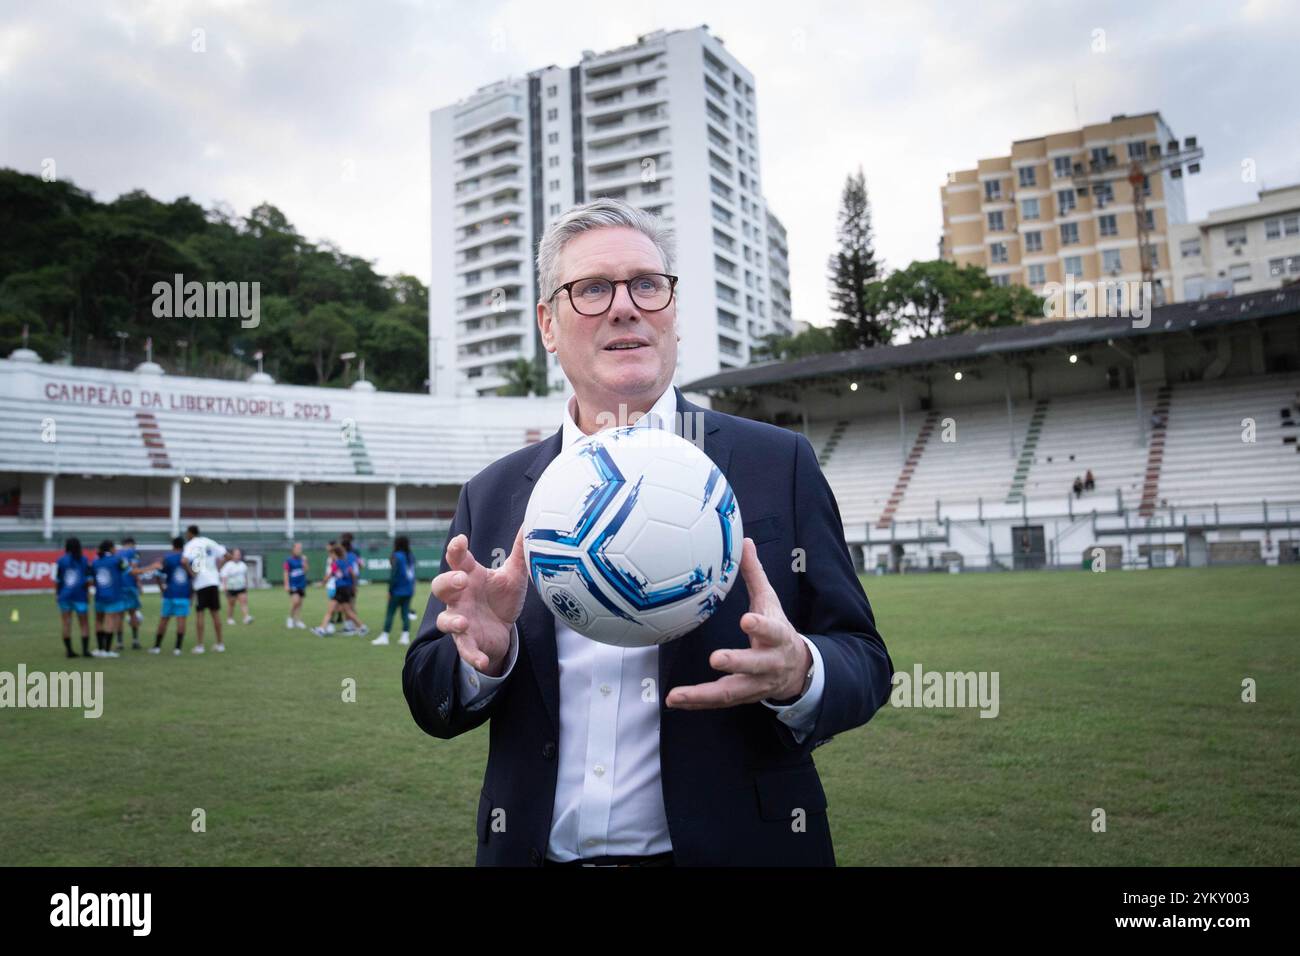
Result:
x=1240 y=273
x=1137 y=150
x=1033 y=242
x=555 y=209
x=553 y=114
x=1069 y=233
x=1101 y=157
x=1150 y=219
x=1276 y=228
x=992 y=190
x=1107 y=225
x=1153 y=257
x=997 y=252
x=1029 y=209
x=1073 y=265
x=1061 y=167
x=553 y=185
x=1111 y=261
x=552 y=138
x=996 y=223
x=552 y=90
x=1189 y=248
x=1103 y=194
x=1064 y=201
x=1003 y=280
x=1027 y=176
x=1037 y=274
x=1235 y=236
x=1276 y=267
x=553 y=161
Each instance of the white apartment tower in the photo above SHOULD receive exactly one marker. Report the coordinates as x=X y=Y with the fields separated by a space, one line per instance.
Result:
x=667 y=124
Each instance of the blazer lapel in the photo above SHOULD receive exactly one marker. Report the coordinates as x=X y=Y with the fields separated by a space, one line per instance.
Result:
x=694 y=420
x=536 y=623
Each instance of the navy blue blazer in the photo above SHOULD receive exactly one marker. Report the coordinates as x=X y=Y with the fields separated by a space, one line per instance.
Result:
x=733 y=778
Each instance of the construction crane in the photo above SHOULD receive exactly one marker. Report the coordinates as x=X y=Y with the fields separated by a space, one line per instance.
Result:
x=1097 y=177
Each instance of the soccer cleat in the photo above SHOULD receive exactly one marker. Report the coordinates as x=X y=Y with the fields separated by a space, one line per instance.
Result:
x=406 y=638
x=135 y=645
x=411 y=615
x=70 y=653
x=380 y=641
x=288 y=623
x=112 y=654
x=248 y=619
x=329 y=628
x=155 y=650
x=176 y=652
x=198 y=649
x=220 y=648
x=230 y=620
x=320 y=632
x=300 y=624
x=363 y=630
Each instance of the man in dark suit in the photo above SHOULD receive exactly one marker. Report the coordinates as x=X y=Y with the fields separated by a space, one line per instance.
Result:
x=695 y=752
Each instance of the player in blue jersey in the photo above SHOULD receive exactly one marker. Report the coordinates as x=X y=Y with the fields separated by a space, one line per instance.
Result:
x=401 y=586
x=342 y=572
x=71 y=579
x=176 y=585
x=130 y=594
x=295 y=585
x=106 y=572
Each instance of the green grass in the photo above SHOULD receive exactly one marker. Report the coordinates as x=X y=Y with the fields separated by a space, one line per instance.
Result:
x=1119 y=691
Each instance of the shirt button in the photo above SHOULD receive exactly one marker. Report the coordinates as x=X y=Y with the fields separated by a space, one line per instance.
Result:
x=605 y=689
x=598 y=770
x=548 y=750
x=473 y=680
x=592 y=842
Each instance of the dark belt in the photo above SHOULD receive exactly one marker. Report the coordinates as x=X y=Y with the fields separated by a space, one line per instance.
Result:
x=657 y=859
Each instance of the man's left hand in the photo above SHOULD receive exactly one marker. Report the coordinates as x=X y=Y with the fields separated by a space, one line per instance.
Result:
x=774 y=666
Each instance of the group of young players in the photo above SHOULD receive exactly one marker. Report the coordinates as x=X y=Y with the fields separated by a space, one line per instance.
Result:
x=196 y=571
x=190 y=570
x=343 y=568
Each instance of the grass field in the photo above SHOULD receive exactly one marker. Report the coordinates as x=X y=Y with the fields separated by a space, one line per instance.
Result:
x=1120 y=691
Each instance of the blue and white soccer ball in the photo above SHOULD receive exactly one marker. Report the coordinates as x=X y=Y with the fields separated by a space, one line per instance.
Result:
x=632 y=536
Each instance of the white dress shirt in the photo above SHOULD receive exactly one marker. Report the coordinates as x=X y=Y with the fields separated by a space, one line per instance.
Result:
x=608 y=795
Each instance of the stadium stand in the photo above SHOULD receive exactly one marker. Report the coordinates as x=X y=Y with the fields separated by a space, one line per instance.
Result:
x=934 y=469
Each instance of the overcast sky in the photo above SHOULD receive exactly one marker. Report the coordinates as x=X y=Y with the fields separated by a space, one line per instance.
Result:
x=322 y=108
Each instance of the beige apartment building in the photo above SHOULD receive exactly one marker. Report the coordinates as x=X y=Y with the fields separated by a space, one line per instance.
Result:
x=1025 y=220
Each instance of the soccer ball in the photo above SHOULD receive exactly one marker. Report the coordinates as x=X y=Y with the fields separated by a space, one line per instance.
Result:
x=632 y=536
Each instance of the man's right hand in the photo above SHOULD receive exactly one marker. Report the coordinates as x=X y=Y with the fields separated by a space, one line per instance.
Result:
x=482 y=604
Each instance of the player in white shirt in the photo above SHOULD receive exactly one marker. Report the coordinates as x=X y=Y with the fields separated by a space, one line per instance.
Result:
x=204 y=556
x=234 y=579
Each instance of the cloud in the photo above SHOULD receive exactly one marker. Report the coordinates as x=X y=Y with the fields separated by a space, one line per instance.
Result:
x=322 y=108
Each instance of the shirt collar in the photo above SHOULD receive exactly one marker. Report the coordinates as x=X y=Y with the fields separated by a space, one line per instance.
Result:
x=663 y=414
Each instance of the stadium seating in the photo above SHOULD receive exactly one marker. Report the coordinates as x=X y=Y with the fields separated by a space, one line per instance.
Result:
x=1203 y=458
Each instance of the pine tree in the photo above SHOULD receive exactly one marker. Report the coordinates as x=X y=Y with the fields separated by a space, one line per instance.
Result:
x=852 y=270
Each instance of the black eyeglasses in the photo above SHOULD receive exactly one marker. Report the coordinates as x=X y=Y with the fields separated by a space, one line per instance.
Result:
x=593 y=296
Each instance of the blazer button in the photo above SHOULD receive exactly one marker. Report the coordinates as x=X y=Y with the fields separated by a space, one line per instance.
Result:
x=548 y=750
x=535 y=856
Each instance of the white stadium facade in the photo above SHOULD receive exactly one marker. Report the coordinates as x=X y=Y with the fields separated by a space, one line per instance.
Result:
x=947 y=454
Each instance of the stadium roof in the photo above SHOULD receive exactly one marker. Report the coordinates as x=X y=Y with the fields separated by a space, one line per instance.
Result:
x=1179 y=317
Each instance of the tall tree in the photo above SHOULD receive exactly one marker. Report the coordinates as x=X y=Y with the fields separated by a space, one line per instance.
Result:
x=853 y=268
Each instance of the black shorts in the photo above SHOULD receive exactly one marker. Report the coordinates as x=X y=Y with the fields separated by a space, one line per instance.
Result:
x=208 y=599
x=299 y=591
x=236 y=593
x=342 y=594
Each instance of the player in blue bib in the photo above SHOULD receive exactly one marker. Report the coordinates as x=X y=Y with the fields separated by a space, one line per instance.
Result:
x=401 y=586
x=106 y=575
x=295 y=585
x=130 y=593
x=71 y=580
x=175 y=581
